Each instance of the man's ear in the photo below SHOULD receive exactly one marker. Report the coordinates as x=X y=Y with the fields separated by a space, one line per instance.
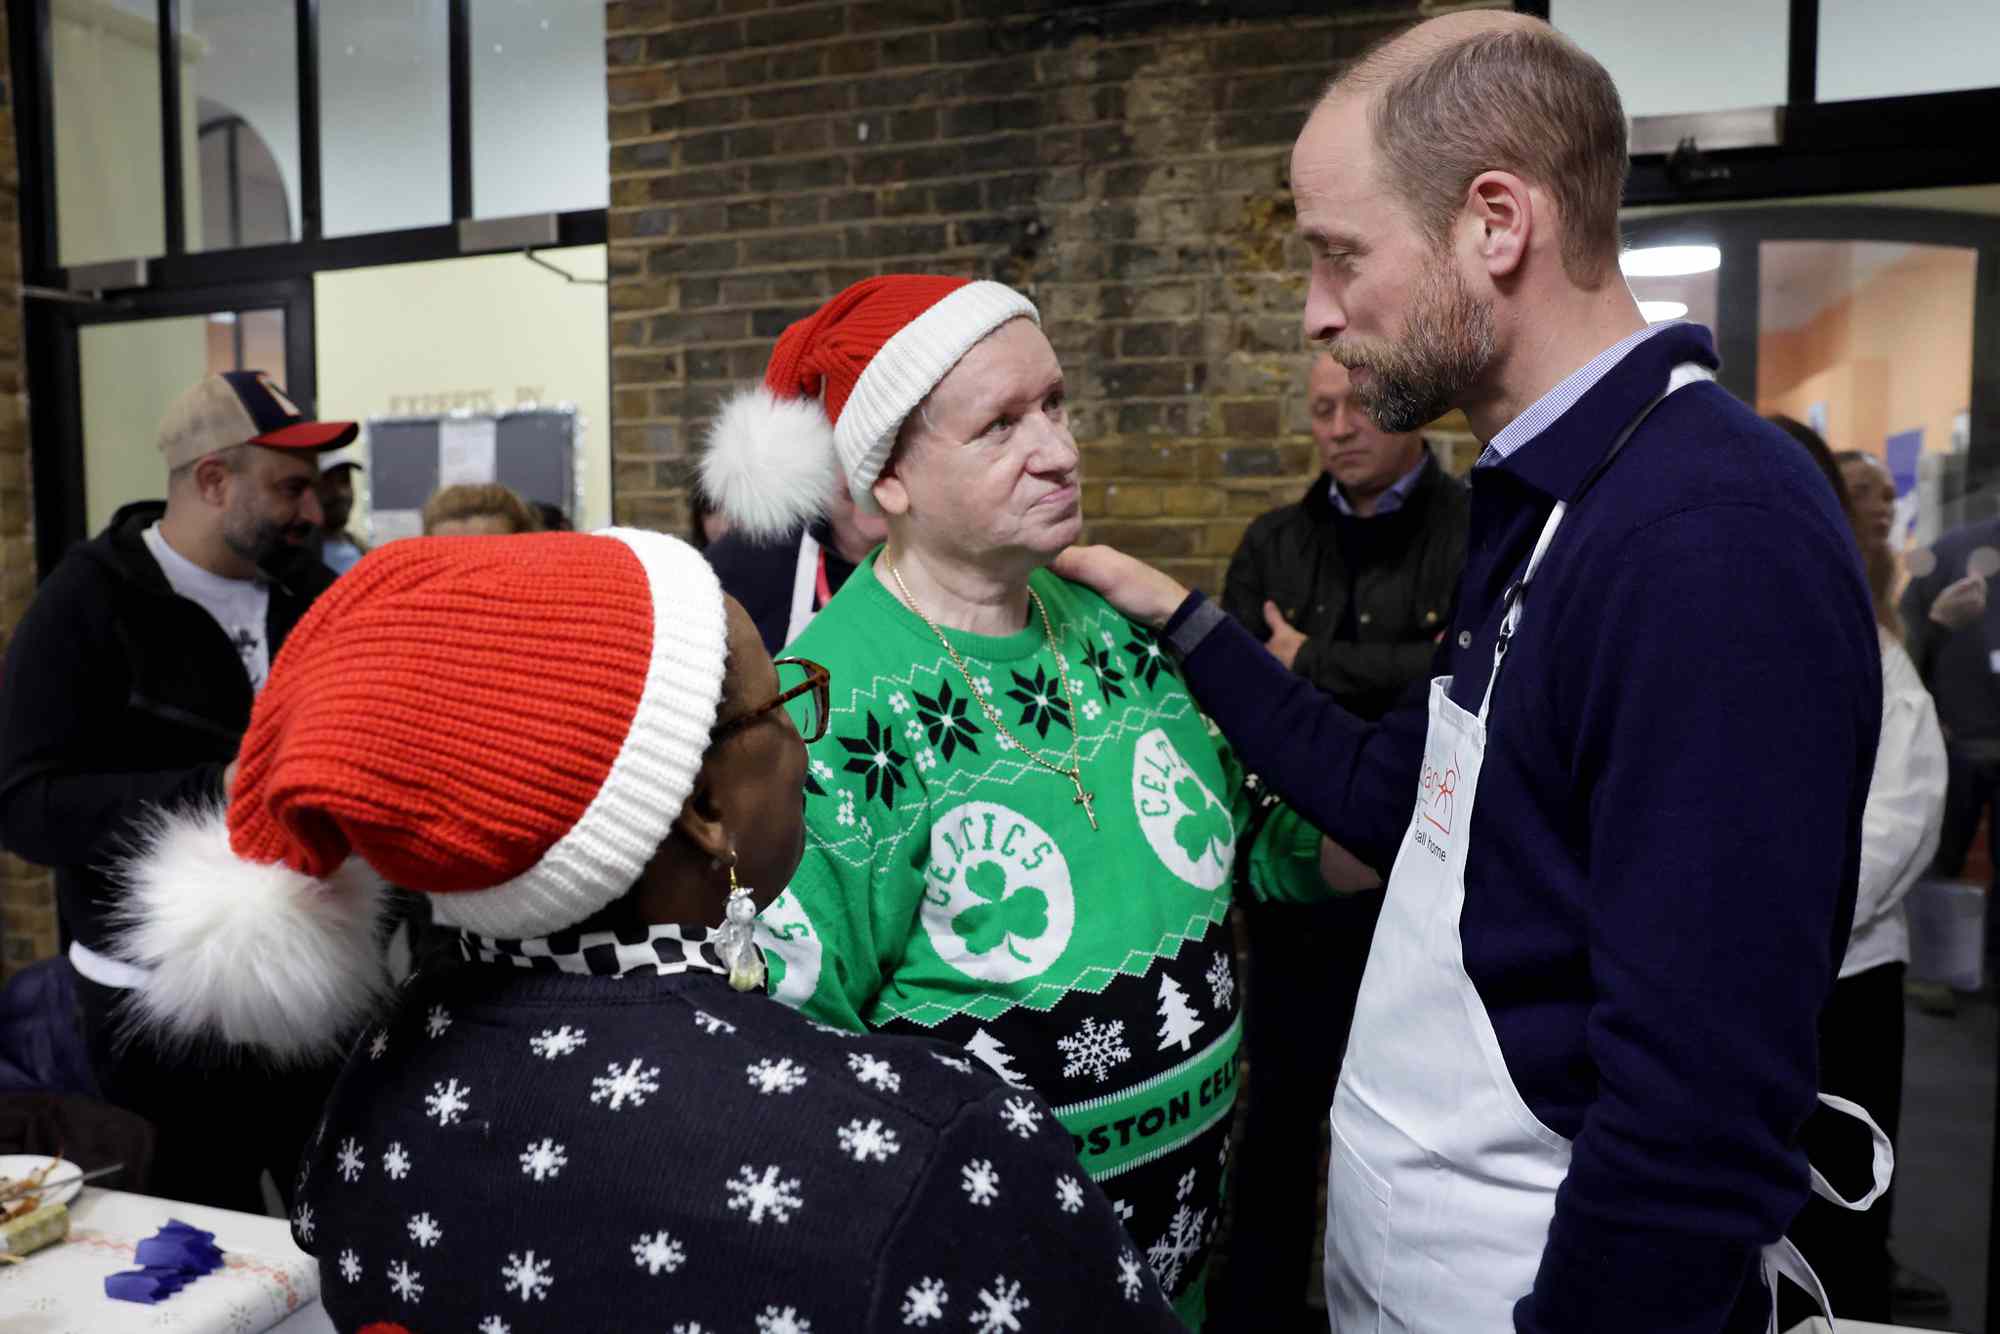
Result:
x=211 y=479
x=700 y=821
x=1503 y=206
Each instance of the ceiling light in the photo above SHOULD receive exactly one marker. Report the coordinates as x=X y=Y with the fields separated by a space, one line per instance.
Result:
x=1655 y=311
x=1667 y=261
x=223 y=317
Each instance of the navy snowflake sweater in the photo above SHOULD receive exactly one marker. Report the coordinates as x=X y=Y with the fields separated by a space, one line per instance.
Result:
x=521 y=1150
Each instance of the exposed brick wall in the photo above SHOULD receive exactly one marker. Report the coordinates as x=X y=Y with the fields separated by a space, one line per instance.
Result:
x=1122 y=163
x=27 y=904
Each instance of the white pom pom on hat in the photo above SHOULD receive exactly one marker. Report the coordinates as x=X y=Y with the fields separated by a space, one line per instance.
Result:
x=840 y=384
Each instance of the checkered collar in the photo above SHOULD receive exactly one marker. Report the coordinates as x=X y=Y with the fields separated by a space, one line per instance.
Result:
x=635 y=949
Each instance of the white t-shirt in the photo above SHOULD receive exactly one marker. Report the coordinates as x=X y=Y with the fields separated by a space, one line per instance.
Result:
x=240 y=606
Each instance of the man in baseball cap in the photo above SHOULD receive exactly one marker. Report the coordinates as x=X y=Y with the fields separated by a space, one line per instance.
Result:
x=129 y=683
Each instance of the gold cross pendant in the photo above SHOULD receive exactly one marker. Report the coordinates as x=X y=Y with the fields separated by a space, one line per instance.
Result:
x=1084 y=799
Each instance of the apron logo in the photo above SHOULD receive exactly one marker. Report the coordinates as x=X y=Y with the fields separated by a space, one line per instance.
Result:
x=997 y=900
x=792 y=949
x=1436 y=794
x=1189 y=830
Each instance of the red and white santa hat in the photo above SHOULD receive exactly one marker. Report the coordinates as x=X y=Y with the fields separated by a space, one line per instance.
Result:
x=840 y=385
x=507 y=725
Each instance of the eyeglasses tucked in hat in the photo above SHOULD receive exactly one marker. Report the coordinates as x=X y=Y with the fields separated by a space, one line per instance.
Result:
x=242 y=408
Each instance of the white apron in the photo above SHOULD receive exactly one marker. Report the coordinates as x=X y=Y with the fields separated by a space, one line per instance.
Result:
x=805 y=587
x=1442 y=1182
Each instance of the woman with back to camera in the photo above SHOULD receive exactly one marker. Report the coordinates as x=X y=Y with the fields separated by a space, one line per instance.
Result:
x=594 y=1119
x=1861 y=1030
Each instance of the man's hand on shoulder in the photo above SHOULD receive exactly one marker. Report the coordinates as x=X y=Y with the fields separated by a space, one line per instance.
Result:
x=1285 y=640
x=1139 y=592
x=1961 y=604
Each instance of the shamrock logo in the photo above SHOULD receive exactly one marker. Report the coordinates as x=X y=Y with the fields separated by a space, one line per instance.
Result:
x=878 y=761
x=944 y=720
x=1205 y=824
x=1041 y=701
x=1000 y=918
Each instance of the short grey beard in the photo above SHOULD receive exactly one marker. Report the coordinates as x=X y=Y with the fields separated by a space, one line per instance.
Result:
x=1450 y=345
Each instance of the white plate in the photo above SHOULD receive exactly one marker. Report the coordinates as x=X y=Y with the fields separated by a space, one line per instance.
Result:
x=14 y=1166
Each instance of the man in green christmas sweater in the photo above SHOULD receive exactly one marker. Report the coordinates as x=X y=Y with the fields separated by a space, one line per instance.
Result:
x=1021 y=834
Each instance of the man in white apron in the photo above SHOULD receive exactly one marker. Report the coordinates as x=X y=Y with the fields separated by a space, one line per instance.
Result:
x=1585 y=1041
x=783 y=574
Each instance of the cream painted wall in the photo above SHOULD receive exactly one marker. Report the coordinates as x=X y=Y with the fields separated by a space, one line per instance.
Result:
x=131 y=372
x=493 y=324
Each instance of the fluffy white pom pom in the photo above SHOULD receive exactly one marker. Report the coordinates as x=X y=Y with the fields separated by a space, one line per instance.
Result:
x=769 y=463
x=258 y=955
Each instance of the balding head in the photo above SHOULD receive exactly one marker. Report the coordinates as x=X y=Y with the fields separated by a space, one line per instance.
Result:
x=1485 y=90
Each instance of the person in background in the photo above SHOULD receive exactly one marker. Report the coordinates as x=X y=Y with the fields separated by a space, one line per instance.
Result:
x=128 y=685
x=784 y=580
x=595 y=1118
x=1861 y=1030
x=478 y=509
x=338 y=549
x=1351 y=588
x=707 y=523
x=552 y=517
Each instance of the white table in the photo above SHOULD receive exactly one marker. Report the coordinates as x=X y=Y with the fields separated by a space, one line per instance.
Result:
x=266 y=1283
x=1819 y=1326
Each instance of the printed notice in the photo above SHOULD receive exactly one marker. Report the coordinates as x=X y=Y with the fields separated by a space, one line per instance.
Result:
x=465 y=451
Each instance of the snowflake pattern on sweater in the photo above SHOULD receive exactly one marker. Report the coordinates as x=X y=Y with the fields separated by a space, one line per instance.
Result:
x=1087 y=964
x=507 y=1199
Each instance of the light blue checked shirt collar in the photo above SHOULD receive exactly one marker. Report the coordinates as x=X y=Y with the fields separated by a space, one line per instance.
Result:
x=1544 y=411
x=1392 y=499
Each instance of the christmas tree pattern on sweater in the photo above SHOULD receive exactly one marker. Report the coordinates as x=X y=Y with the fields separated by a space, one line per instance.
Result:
x=953 y=889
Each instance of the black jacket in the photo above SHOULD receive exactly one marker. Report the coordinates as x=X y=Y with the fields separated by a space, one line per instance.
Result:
x=1370 y=595
x=759 y=575
x=1957 y=665
x=119 y=695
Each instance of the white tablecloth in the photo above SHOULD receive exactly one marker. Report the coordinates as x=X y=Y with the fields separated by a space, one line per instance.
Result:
x=266 y=1283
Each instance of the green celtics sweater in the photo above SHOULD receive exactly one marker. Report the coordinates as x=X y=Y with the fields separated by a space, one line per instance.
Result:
x=952 y=889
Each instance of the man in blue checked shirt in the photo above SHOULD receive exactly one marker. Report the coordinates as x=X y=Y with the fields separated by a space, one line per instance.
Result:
x=1621 y=839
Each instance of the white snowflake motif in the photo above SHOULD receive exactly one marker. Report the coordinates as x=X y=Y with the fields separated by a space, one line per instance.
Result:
x=1180 y=1243
x=981 y=1183
x=404 y=1280
x=1130 y=1278
x=1186 y=1186
x=822 y=770
x=528 y=1274
x=630 y=1084
x=763 y=1195
x=924 y=1302
x=1092 y=710
x=1006 y=742
x=1123 y=1210
x=396 y=1161
x=710 y=1025
x=845 y=815
x=350 y=1265
x=1109 y=642
x=829 y=1029
x=781 y=1076
x=783 y=1320
x=926 y=760
x=1069 y=1194
x=437 y=1022
x=1000 y=1305
x=493 y=1324
x=447 y=1101
x=657 y=1251
x=544 y=1160
x=691 y=1327
x=963 y=1067
x=425 y=1231
x=1221 y=983
x=557 y=1042
x=874 y=1071
x=870 y=1142
x=983 y=684
x=378 y=1044
x=1094 y=1049
x=914 y=730
x=350 y=1160
x=899 y=703
x=1022 y=1117
x=304 y=1222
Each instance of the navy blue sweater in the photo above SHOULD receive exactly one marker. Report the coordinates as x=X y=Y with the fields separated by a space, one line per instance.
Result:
x=1667 y=830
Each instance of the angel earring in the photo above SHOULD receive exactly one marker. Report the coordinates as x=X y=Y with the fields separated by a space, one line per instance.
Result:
x=736 y=941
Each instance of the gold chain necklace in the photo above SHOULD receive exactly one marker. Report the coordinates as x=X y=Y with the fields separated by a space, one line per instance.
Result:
x=1075 y=771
